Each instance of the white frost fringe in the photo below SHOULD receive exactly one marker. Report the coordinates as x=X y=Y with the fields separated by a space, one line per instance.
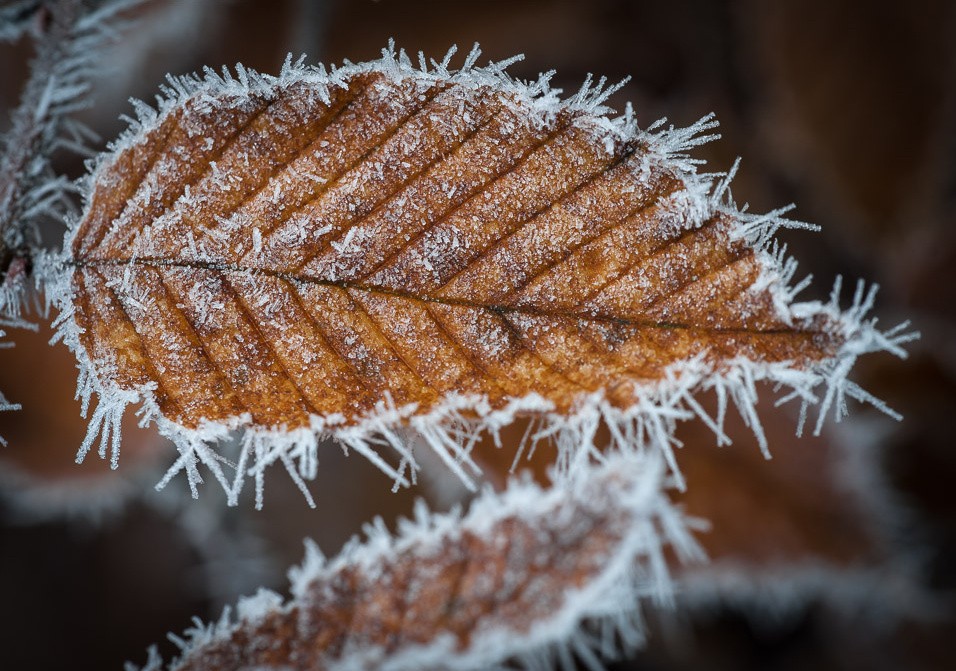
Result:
x=596 y=622
x=454 y=426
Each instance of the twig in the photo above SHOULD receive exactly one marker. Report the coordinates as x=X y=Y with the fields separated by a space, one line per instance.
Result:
x=25 y=168
x=18 y=18
x=69 y=37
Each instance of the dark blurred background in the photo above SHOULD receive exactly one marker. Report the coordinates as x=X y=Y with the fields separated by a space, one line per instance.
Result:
x=838 y=554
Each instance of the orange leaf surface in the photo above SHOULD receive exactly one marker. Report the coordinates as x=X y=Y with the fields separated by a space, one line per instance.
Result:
x=383 y=250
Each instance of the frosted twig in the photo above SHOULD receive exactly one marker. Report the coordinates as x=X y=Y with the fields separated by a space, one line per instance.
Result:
x=18 y=18
x=69 y=35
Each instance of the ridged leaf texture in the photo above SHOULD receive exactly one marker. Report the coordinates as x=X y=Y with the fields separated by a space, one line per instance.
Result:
x=382 y=248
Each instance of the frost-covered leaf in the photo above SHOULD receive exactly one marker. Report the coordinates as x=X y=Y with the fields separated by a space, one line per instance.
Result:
x=531 y=575
x=386 y=250
x=817 y=524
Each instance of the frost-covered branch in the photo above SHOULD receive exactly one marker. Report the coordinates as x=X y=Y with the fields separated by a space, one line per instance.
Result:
x=18 y=18
x=69 y=36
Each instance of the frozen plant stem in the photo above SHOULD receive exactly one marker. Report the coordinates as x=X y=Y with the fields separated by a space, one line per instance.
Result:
x=69 y=36
x=32 y=139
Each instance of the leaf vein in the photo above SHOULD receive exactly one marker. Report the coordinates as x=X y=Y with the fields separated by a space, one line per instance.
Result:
x=321 y=332
x=481 y=189
x=161 y=388
x=198 y=339
x=438 y=300
x=496 y=244
x=638 y=260
x=383 y=204
x=573 y=249
x=103 y=230
x=333 y=183
x=528 y=345
x=385 y=339
x=254 y=324
x=281 y=167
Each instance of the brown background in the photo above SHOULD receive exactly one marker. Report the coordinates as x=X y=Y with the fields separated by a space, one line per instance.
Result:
x=847 y=109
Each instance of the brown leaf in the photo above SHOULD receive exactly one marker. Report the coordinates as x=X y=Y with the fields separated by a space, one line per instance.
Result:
x=384 y=247
x=523 y=575
x=819 y=512
x=819 y=524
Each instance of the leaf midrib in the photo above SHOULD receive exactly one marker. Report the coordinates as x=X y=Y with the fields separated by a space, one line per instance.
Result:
x=217 y=266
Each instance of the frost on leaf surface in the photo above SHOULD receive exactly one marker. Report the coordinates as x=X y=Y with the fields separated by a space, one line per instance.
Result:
x=531 y=575
x=397 y=255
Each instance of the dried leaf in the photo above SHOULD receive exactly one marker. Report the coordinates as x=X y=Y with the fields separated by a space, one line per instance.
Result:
x=381 y=250
x=532 y=575
x=816 y=524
